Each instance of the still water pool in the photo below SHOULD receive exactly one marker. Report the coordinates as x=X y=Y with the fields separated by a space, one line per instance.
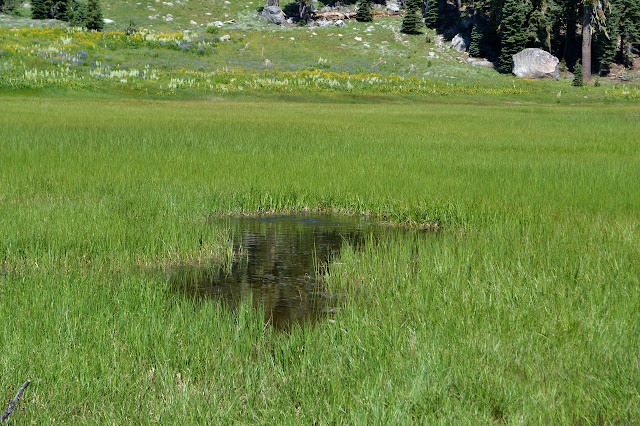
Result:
x=279 y=263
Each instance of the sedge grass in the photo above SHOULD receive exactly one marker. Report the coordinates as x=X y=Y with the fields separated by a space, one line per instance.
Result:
x=523 y=308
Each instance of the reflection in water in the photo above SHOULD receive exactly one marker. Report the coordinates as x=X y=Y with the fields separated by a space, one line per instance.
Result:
x=280 y=259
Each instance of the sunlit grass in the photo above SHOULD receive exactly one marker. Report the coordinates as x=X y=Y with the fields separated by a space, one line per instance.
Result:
x=522 y=307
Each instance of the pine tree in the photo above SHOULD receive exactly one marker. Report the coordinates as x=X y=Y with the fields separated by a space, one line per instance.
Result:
x=431 y=18
x=513 y=37
x=78 y=16
x=365 y=11
x=578 y=79
x=605 y=44
x=476 y=42
x=68 y=11
x=94 y=15
x=59 y=10
x=629 y=28
x=40 y=9
x=412 y=21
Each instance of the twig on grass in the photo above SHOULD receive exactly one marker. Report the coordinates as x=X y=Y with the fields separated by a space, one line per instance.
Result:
x=14 y=401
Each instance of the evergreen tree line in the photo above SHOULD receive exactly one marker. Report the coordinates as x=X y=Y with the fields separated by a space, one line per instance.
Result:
x=75 y=12
x=597 y=33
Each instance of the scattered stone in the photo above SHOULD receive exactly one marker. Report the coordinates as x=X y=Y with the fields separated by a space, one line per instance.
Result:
x=274 y=15
x=168 y=19
x=218 y=24
x=108 y=21
x=339 y=23
x=225 y=37
x=459 y=43
x=323 y=23
x=357 y=38
x=267 y=63
x=535 y=63
x=192 y=22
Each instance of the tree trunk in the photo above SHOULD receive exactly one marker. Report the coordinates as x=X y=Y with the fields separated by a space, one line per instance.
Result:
x=273 y=3
x=586 y=44
x=547 y=39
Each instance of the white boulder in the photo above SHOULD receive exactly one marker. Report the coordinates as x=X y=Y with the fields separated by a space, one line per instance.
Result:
x=535 y=63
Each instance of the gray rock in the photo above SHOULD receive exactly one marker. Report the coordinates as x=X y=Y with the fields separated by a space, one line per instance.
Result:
x=393 y=7
x=481 y=63
x=218 y=24
x=535 y=63
x=459 y=43
x=108 y=21
x=274 y=15
x=340 y=23
x=326 y=9
x=225 y=37
x=322 y=23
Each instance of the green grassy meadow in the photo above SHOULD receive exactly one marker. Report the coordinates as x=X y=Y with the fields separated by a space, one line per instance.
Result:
x=522 y=308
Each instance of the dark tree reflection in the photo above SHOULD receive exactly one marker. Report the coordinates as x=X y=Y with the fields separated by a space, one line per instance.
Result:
x=278 y=268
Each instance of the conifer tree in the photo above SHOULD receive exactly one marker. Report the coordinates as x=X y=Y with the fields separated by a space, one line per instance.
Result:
x=476 y=42
x=578 y=78
x=365 y=11
x=58 y=10
x=78 y=16
x=628 y=28
x=94 y=15
x=513 y=36
x=40 y=9
x=68 y=11
x=605 y=44
x=431 y=16
x=412 y=21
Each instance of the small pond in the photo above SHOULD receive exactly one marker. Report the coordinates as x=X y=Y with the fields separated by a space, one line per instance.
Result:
x=279 y=260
